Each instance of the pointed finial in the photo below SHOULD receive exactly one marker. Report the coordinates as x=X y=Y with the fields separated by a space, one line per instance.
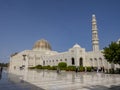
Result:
x=93 y=17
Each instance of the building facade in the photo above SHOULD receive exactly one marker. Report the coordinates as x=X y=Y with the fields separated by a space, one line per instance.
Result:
x=42 y=54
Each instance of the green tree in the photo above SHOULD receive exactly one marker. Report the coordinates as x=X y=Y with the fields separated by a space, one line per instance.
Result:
x=112 y=53
x=62 y=65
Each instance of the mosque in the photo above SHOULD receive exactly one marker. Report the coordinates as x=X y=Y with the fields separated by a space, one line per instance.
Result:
x=42 y=54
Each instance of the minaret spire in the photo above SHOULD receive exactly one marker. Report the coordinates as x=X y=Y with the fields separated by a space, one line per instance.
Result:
x=95 y=40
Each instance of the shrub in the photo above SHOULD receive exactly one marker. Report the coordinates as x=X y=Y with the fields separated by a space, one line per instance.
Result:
x=89 y=69
x=36 y=67
x=46 y=67
x=54 y=68
x=71 y=68
x=31 y=67
x=81 y=68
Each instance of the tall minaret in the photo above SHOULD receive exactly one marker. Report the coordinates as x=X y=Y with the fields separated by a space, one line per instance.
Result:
x=95 y=40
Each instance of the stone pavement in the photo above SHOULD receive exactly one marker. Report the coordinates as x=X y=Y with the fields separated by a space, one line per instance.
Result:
x=50 y=80
x=14 y=83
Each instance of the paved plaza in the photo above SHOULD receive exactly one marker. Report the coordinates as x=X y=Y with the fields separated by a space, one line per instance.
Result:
x=50 y=80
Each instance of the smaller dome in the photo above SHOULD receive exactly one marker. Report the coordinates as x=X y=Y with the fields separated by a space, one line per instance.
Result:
x=76 y=46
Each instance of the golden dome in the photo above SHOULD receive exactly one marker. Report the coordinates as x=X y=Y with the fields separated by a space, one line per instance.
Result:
x=42 y=45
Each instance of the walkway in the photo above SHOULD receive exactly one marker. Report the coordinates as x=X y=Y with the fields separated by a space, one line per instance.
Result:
x=50 y=80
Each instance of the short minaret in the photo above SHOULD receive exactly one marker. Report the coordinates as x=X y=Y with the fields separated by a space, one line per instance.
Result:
x=95 y=40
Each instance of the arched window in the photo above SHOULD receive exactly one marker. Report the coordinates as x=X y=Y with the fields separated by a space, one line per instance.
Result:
x=100 y=61
x=66 y=60
x=73 y=61
x=95 y=58
x=81 y=61
x=43 y=62
x=100 y=58
x=91 y=62
x=95 y=62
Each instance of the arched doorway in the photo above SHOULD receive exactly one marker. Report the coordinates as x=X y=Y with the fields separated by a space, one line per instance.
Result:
x=73 y=61
x=81 y=61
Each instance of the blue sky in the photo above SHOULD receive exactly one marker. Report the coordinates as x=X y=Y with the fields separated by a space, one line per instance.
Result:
x=61 y=22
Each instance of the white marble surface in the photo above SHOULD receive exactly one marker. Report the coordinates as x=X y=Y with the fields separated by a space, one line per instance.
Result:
x=50 y=80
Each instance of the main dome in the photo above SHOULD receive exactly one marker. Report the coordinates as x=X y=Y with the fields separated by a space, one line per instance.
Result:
x=42 y=45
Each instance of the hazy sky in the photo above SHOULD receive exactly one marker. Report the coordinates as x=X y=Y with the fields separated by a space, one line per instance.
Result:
x=61 y=22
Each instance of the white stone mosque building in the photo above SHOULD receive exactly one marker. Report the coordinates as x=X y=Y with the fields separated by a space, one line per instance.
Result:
x=42 y=54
